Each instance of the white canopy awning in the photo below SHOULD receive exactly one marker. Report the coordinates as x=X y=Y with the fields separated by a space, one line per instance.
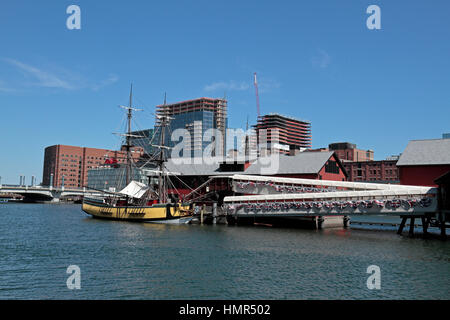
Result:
x=135 y=189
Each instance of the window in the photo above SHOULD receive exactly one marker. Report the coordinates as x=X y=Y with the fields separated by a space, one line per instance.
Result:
x=332 y=167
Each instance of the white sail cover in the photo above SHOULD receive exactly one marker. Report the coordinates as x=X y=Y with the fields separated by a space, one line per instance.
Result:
x=135 y=189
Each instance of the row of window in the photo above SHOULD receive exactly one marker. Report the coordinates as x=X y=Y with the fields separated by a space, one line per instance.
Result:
x=374 y=172
x=375 y=179
x=89 y=157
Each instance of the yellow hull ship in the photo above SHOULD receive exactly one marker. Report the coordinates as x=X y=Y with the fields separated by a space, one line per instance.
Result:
x=158 y=213
x=138 y=201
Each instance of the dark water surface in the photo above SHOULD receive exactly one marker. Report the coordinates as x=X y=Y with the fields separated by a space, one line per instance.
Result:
x=120 y=260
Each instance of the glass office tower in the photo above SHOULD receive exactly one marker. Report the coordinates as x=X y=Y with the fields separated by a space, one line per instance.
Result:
x=197 y=117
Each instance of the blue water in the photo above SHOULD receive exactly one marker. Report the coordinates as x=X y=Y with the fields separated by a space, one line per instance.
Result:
x=120 y=260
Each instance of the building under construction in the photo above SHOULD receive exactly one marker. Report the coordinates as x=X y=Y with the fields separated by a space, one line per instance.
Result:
x=282 y=134
x=197 y=116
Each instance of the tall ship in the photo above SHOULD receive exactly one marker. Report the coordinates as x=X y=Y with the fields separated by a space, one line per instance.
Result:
x=139 y=201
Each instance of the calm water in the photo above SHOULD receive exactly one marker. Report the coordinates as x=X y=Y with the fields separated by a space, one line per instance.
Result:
x=120 y=260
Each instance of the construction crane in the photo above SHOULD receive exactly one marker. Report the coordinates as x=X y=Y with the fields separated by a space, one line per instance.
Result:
x=257 y=95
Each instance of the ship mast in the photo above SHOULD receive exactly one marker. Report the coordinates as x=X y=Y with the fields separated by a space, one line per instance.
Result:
x=130 y=109
x=161 y=182
x=128 y=146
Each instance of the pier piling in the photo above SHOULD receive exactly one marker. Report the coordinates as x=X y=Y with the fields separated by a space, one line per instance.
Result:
x=425 y=222
x=402 y=225
x=411 y=227
x=214 y=212
x=319 y=222
x=202 y=212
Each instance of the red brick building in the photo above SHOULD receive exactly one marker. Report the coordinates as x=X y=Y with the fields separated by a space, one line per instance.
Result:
x=383 y=171
x=423 y=161
x=73 y=163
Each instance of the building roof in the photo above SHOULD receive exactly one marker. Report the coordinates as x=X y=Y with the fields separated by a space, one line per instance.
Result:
x=191 y=100
x=426 y=152
x=195 y=167
x=301 y=163
x=277 y=115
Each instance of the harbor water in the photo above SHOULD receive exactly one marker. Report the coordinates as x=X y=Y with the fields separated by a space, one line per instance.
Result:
x=123 y=260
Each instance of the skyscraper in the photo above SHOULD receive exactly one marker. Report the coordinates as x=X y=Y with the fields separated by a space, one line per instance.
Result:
x=282 y=134
x=197 y=117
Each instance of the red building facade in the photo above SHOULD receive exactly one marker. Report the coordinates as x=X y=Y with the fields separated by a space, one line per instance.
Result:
x=71 y=163
x=423 y=161
x=383 y=171
x=422 y=175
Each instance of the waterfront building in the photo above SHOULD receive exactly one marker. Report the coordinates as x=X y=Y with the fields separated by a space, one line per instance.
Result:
x=197 y=116
x=382 y=171
x=281 y=134
x=69 y=165
x=360 y=165
x=307 y=165
x=423 y=161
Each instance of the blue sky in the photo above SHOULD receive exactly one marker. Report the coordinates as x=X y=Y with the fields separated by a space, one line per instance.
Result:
x=315 y=59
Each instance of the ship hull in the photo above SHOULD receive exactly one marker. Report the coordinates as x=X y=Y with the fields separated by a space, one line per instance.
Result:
x=158 y=213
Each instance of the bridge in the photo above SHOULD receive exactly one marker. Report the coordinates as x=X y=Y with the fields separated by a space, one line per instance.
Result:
x=43 y=193
x=290 y=198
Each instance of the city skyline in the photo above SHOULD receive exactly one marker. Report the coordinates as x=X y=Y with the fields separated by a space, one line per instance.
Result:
x=378 y=89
